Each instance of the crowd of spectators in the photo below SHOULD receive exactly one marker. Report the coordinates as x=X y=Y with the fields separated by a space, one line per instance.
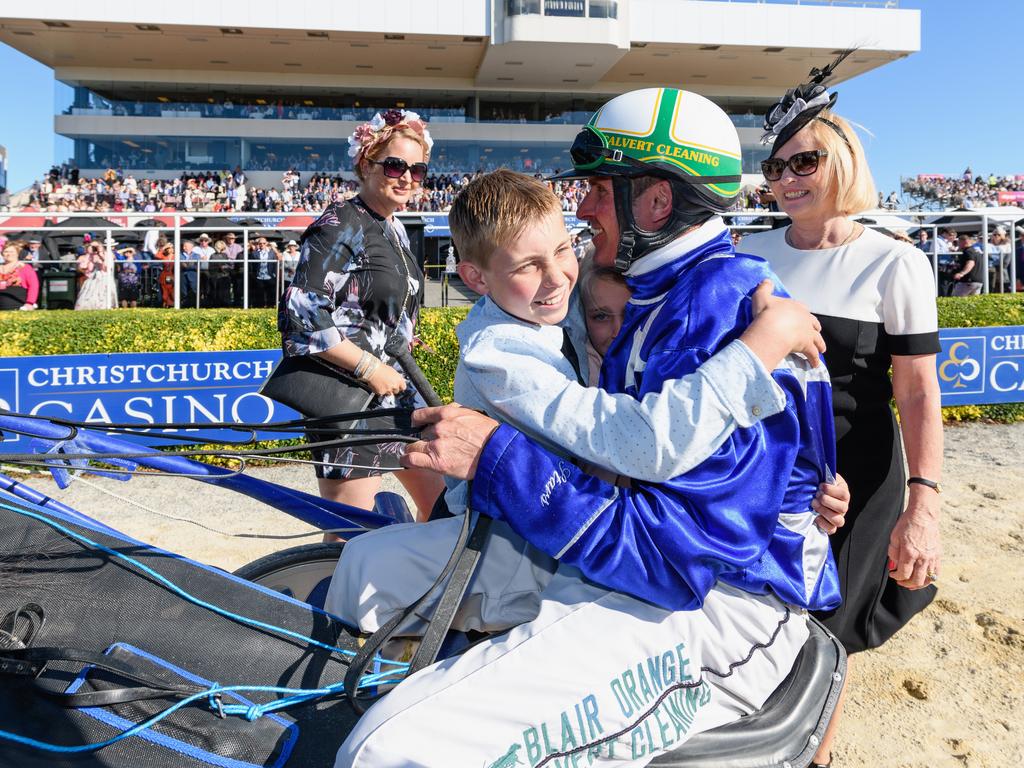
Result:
x=967 y=190
x=64 y=190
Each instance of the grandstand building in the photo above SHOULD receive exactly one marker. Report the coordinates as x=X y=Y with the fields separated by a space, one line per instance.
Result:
x=157 y=89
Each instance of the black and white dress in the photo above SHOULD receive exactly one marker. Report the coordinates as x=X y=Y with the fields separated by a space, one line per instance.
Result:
x=356 y=279
x=875 y=298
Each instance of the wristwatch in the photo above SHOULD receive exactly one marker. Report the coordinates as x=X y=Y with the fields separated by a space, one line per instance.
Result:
x=926 y=482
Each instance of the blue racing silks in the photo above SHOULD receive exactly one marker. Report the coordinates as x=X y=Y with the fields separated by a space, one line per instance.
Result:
x=742 y=516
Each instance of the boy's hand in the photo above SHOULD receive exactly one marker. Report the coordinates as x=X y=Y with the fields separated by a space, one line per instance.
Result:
x=453 y=439
x=782 y=327
x=831 y=502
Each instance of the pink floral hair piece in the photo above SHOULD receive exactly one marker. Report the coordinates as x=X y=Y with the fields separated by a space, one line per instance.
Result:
x=382 y=127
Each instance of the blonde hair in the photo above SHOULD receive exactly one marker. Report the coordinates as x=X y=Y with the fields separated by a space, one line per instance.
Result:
x=376 y=149
x=848 y=176
x=590 y=274
x=493 y=210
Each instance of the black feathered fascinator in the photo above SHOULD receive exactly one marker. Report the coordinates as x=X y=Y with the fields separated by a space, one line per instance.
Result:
x=802 y=104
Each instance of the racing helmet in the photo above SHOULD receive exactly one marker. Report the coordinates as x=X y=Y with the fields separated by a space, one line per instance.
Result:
x=676 y=135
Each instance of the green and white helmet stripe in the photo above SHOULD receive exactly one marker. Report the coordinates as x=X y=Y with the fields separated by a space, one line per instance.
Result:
x=676 y=131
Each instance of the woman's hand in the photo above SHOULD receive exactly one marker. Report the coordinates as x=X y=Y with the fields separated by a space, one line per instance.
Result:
x=915 y=546
x=831 y=502
x=386 y=381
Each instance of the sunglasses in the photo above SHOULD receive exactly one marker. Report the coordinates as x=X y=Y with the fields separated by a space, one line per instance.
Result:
x=590 y=150
x=801 y=164
x=395 y=168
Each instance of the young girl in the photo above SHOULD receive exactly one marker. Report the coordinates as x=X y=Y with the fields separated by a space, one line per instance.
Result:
x=604 y=293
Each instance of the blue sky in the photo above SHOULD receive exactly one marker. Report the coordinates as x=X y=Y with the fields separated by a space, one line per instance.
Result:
x=953 y=104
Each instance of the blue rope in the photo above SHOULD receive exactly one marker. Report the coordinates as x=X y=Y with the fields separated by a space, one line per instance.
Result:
x=296 y=695
x=399 y=666
x=394 y=672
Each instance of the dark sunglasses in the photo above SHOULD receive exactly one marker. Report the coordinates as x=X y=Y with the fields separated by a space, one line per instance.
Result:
x=801 y=164
x=395 y=168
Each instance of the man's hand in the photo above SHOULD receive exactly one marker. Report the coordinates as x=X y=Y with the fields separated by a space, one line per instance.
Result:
x=453 y=439
x=831 y=502
x=781 y=327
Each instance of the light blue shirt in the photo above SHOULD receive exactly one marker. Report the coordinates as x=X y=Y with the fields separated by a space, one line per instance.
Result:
x=516 y=373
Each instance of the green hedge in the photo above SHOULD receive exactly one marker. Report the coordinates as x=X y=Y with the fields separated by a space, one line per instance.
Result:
x=56 y=332
x=65 y=332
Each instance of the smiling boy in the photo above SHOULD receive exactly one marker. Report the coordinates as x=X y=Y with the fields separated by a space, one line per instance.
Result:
x=523 y=361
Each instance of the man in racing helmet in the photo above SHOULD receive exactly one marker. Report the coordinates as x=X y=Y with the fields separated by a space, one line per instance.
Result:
x=677 y=606
x=675 y=141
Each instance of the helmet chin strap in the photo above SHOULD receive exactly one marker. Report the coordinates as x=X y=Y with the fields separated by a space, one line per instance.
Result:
x=634 y=242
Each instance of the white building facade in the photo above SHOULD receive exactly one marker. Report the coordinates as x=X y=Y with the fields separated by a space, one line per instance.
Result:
x=270 y=85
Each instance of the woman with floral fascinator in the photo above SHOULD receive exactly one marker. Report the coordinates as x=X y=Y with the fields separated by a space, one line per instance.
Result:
x=355 y=288
x=875 y=299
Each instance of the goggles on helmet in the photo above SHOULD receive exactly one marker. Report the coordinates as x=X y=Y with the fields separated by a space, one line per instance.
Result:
x=590 y=150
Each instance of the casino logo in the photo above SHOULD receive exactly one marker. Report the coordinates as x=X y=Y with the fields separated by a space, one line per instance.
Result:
x=963 y=364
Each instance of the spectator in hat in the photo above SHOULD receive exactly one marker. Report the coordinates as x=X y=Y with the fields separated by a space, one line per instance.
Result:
x=204 y=252
x=128 y=278
x=33 y=253
x=233 y=253
x=289 y=261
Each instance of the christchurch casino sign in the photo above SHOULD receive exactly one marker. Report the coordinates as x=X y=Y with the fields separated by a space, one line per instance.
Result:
x=976 y=365
x=174 y=387
x=981 y=365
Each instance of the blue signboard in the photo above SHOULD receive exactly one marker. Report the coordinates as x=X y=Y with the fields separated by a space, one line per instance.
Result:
x=435 y=225
x=147 y=388
x=981 y=365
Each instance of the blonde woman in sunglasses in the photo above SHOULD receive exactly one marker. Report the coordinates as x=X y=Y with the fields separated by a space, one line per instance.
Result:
x=356 y=287
x=875 y=298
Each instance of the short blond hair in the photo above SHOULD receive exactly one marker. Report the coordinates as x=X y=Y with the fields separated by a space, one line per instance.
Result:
x=849 y=178
x=493 y=210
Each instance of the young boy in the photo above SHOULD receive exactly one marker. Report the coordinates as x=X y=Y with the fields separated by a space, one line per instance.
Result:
x=522 y=361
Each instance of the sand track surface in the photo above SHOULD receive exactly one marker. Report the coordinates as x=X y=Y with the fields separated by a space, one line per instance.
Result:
x=947 y=691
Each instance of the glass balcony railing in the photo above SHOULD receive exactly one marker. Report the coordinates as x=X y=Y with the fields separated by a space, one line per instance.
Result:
x=489 y=113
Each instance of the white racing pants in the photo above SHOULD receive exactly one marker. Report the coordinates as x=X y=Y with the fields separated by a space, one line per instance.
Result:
x=593 y=677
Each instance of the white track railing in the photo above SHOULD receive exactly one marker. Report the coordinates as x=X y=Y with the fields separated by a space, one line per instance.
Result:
x=181 y=229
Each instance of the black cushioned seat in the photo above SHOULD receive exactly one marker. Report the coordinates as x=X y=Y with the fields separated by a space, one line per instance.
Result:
x=786 y=732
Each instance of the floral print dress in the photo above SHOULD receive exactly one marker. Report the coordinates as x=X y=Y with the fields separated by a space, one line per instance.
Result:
x=356 y=279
